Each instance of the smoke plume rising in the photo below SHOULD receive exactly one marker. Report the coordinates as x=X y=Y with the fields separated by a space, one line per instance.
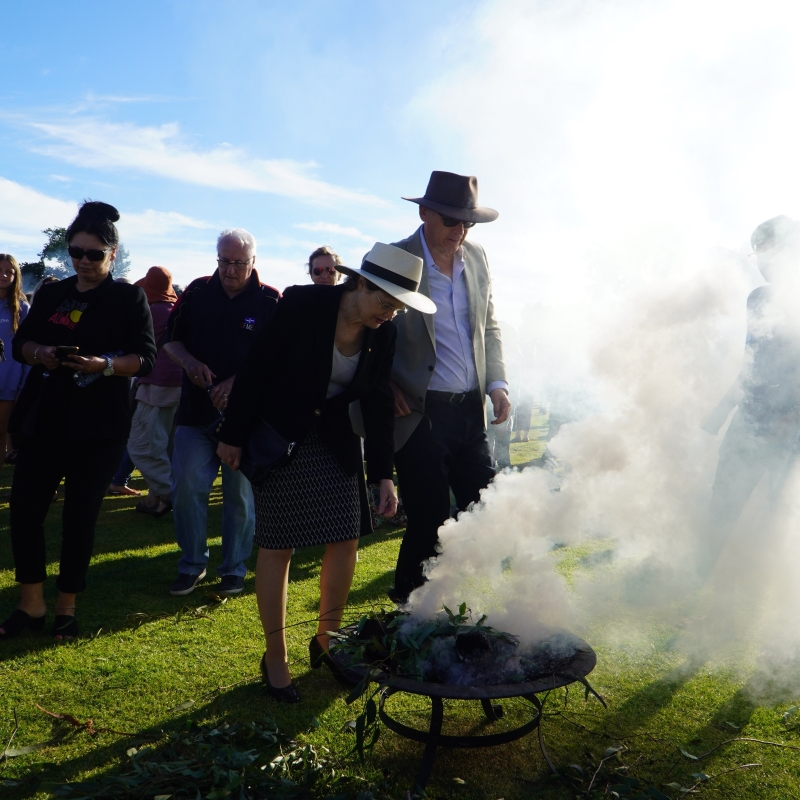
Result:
x=631 y=151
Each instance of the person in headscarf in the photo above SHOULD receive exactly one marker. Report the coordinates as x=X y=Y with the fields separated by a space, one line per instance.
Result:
x=157 y=398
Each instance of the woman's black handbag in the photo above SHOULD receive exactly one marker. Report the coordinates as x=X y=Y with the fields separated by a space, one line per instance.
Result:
x=264 y=451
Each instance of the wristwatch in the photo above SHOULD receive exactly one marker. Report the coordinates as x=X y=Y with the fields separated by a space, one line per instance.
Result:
x=109 y=370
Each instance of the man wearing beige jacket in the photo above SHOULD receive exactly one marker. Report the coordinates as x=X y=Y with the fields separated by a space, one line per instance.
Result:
x=444 y=366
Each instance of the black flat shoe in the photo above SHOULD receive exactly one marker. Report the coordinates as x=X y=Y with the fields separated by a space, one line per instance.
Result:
x=65 y=626
x=286 y=694
x=317 y=657
x=18 y=622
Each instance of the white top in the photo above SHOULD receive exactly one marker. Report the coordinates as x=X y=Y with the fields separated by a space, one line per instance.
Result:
x=455 y=360
x=344 y=368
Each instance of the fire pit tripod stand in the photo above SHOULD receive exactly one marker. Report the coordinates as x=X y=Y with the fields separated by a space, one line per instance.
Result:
x=433 y=738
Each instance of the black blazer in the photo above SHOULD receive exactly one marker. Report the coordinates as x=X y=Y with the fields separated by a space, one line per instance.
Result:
x=285 y=380
x=117 y=319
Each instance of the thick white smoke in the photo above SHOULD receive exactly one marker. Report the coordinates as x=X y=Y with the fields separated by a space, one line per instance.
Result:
x=637 y=479
x=631 y=150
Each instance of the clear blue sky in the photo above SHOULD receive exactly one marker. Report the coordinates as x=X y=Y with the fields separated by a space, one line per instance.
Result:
x=586 y=123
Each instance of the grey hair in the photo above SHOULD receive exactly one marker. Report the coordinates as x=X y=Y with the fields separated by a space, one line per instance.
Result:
x=240 y=235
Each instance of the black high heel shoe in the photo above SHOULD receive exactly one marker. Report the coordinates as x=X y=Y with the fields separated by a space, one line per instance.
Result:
x=65 y=626
x=18 y=622
x=286 y=694
x=317 y=657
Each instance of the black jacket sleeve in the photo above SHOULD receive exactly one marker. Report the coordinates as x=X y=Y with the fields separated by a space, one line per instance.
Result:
x=139 y=337
x=255 y=378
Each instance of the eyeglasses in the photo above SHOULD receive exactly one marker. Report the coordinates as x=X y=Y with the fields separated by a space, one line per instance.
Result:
x=224 y=263
x=389 y=307
x=319 y=270
x=93 y=253
x=451 y=222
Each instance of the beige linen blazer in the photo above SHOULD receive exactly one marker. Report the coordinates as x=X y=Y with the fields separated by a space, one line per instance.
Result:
x=415 y=355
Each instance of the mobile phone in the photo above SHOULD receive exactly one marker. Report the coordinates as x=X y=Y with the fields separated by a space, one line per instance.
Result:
x=66 y=350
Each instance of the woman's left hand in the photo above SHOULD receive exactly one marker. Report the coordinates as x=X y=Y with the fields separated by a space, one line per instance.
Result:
x=388 y=503
x=86 y=363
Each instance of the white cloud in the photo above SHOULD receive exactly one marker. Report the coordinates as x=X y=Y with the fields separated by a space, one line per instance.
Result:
x=163 y=151
x=174 y=240
x=158 y=224
x=337 y=230
x=25 y=213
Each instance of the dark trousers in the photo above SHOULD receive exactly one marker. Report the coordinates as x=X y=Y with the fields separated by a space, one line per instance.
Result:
x=86 y=467
x=448 y=449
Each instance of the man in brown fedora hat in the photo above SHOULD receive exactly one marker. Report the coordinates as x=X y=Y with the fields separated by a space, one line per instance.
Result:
x=445 y=365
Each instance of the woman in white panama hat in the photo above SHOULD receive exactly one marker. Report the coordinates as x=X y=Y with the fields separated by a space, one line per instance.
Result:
x=325 y=347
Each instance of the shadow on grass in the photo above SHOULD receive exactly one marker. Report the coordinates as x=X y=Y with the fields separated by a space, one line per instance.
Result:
x=639 y=708
x=246 y=702
x=141 y=579
x=121 y=595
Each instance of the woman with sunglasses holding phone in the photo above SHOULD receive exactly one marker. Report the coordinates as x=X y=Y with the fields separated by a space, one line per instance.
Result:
x=322 y=265
x=84 y=337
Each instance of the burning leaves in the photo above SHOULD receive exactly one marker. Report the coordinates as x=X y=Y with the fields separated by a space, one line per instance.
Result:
x=453 y=649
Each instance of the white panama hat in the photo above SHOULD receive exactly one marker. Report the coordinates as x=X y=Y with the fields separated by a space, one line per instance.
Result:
x=397 y=272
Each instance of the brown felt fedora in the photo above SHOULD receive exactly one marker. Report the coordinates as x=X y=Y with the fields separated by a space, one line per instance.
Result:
x=454 y=196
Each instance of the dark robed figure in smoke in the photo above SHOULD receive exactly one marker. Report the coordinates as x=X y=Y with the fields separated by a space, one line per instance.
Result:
x=763 y=437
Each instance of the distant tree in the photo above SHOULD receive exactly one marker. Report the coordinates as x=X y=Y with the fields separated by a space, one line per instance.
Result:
x=122 y=263
x=32 y=273
x=54 y=254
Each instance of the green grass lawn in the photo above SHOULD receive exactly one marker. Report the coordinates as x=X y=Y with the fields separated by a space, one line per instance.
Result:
x=147 y=662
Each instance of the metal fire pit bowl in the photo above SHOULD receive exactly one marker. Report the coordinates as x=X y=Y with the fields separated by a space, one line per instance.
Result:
x=583 y=664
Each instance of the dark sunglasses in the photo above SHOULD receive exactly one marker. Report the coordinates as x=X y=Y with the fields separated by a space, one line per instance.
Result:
x=451 y=222
x=320 y=270
x=93 y=253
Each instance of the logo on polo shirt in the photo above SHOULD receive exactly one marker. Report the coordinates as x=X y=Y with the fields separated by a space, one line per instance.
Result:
x=249 y=323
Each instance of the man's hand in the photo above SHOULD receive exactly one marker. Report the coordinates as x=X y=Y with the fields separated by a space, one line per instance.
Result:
x=199 y=374
x=401 y=408
x=219 y=394
x=388 y=502
x=232 y=456
x=501 y=405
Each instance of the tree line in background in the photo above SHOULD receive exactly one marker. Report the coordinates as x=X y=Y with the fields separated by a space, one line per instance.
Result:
x=54 y=260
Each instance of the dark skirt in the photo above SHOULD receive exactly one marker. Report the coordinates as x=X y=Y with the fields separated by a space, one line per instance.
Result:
x=310 y=501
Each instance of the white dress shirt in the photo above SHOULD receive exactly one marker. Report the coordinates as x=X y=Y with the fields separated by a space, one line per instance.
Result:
x=455 y=362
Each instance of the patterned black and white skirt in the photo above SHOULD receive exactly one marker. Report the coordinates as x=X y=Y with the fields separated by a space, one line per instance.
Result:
x=308 y=502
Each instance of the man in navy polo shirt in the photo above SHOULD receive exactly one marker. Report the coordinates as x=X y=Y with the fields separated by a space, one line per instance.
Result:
x=210 y=333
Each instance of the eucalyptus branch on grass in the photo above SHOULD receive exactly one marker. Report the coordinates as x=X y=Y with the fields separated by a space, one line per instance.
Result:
x=217 y=761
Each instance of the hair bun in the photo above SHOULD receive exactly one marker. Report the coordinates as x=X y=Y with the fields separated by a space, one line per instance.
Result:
x=95 y=210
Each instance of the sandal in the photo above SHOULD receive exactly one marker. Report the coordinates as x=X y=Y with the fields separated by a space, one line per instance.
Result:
x=158 y=510
x=65 y=626
x=18 y=622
